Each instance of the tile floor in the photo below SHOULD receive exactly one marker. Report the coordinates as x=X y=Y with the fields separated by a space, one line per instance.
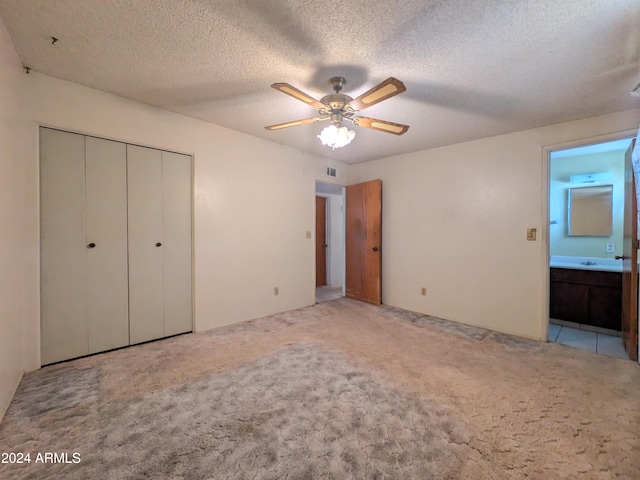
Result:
x=596 y=342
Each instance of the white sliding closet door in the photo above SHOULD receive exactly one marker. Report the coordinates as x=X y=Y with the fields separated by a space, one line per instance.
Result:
x=63 y=251
x=106 y=224
x=115 y=245
x=146 y=304
x=176 y=246
x=83 y=234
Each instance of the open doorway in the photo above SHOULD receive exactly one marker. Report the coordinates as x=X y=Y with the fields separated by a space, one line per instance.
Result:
x=589 y=240
x=330 y=242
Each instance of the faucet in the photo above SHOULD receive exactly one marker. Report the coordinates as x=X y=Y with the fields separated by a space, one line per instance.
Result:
x=588 y=262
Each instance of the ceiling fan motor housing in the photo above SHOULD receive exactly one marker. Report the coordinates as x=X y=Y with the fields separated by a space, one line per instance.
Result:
x=336 y=101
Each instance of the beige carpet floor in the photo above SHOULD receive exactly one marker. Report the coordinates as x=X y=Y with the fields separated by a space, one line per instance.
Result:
x=336 y=390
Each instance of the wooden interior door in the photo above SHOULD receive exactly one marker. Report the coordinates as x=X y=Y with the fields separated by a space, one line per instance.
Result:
x=363 y=247
x=321 y=241
x=630 y=262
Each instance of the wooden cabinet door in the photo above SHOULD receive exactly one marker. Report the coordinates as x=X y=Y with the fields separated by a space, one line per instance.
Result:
x=106 y=223
x=569 y=301
x=144 y=186
x=63 y=251
x=176 y=243
x=363 y=247
x=605 y=307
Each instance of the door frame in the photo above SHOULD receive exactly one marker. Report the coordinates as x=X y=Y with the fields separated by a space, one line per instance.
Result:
x=340 y=187
x=546 y=163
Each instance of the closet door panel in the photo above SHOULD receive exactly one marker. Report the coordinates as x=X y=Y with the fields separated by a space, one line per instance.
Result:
x=106 y=218
x=176 y=247
x=63 y=251
x=144 y=179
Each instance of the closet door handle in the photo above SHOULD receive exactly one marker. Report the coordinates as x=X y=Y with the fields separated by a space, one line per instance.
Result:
x=375 y=249
x=158 y=244
x=91 y=245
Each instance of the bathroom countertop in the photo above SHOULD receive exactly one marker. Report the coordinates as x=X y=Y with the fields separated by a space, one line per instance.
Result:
x=584 y=263
x=596 y=268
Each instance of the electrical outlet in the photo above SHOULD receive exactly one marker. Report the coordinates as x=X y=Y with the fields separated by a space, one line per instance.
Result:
x=276 y=291
x=423 y=291
x=308 y=234
x=609 y=247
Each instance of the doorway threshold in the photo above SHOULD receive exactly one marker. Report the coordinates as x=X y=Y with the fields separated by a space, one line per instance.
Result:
x=326 y=293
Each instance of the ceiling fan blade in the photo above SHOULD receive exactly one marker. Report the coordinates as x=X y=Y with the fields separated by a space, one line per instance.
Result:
x=295 y=123
x=380 y=125
x=387 y=89
x=295 y=93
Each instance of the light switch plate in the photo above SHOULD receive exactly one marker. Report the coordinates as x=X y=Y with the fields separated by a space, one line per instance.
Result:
x=531 y=234
x=610 y=247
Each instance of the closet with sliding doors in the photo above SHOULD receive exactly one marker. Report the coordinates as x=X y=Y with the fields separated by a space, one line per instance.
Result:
x=115 y=244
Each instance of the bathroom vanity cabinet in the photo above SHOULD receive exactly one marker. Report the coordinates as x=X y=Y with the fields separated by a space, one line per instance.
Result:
x=586 y=296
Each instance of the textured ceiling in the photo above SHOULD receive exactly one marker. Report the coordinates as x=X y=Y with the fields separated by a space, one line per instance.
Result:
x=472 y=68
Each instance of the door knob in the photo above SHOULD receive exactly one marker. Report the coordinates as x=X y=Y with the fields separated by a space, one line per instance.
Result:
x=158 y=244
x=620 y=257
x=91 y=245
x=375 y=249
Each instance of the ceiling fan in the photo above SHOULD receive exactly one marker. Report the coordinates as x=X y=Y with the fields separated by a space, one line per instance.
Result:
x=338 y=107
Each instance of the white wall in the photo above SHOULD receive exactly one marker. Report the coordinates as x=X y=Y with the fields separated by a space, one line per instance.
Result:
x=18 y=234
x=560 y=169
x=454 y=217
x=254 y=199
x=455 y=221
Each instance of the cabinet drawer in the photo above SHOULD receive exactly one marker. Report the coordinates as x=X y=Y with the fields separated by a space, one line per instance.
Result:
x=587 y=277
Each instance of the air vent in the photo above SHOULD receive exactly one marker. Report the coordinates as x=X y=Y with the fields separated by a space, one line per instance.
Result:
x=332 y=172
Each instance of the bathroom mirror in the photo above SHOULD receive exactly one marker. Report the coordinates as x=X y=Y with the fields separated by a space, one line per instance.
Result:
x=590 y=211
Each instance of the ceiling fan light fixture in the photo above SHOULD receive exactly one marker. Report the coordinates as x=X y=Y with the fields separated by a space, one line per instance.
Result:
x=336 y=137
x=337 y=107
